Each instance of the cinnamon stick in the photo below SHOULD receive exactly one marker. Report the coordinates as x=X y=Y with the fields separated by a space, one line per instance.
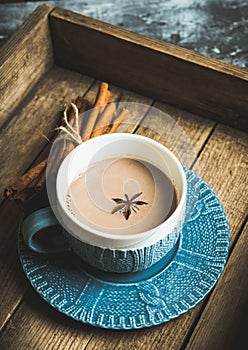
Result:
x=86 y=135
x=32 y=189
x=41 y=182
x=99 y=103
x=56 y=156
x=105 y=120
x=85 y=105
x=119 y=119
x=107 y=98
x=102 y=95
x=34 y=180
x=22 y=197
x=24 y=181
x=64 y=146
x=82 y=106
x=106 y=101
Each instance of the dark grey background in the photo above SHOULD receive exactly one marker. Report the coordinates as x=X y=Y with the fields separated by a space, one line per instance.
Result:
x=214 y=28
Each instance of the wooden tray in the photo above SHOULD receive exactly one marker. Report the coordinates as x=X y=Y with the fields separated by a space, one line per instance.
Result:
x=57 y=55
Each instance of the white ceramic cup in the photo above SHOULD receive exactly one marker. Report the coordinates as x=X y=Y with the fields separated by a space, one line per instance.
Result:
x=109 y=251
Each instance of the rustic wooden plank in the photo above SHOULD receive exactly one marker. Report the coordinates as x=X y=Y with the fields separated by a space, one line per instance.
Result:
x=36 y=325
x=148 y=338
x=224 y=166
x=24 y=59
x=151 y=67
x=22 y=138
x=137 y=106
x=13 y=283
x=11 y=274
x=223 y=324
x=182 y=132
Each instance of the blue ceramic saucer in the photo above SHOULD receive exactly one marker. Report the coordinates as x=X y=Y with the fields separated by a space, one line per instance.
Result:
x=136 y=300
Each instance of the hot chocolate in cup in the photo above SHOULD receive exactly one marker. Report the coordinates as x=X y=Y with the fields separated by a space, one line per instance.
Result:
x=121 y=201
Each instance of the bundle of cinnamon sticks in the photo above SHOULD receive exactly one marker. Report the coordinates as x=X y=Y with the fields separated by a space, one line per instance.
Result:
x=77 y=126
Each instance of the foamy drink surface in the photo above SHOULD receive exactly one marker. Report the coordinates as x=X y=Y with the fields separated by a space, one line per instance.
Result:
x=121 y=196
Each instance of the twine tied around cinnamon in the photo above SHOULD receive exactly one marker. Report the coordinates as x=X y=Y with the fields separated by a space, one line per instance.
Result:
x=72 y=132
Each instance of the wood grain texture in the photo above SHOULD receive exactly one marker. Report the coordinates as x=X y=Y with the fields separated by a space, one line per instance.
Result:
x=224 y=166
x=22 y=138
x=182 y=132
x=23 y=60
x=153 y=68
x=13 y=283
x=36 y=325
x=224 y=322
x=137 y=106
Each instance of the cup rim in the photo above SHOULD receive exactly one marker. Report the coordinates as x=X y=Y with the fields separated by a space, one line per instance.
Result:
x=132 y=237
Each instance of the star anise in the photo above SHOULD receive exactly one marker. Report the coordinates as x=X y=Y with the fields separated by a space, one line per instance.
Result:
x=125 y=206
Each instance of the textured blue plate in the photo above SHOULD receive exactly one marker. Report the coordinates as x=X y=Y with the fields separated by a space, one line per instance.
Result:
x=136 y=300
